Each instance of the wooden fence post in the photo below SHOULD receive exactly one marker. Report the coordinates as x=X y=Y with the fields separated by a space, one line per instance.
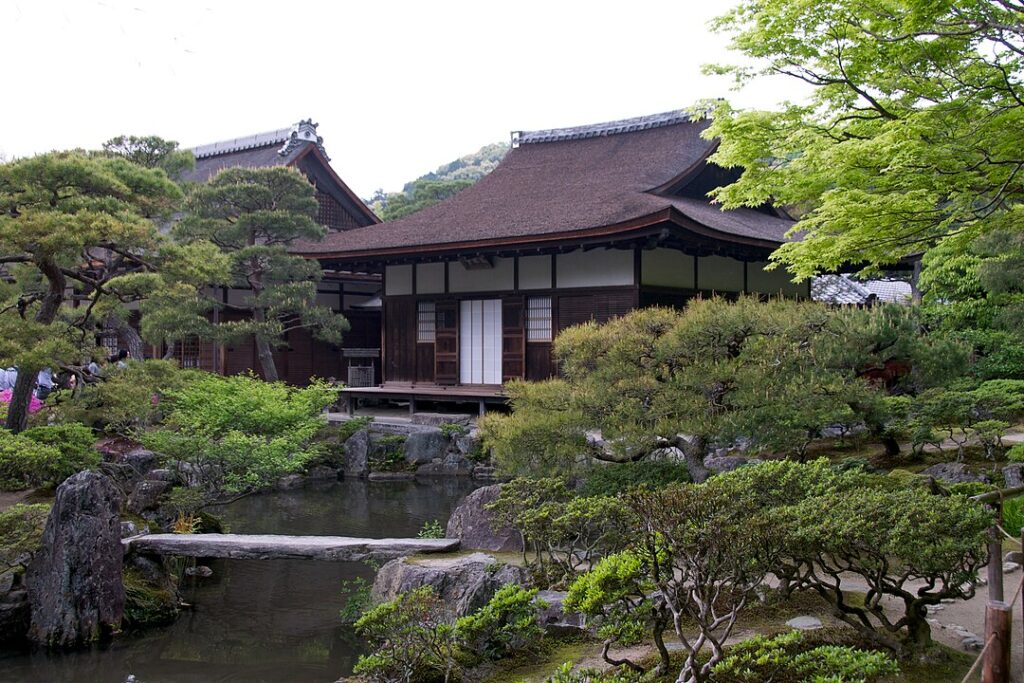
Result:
x=995 y=557
x=996 y=667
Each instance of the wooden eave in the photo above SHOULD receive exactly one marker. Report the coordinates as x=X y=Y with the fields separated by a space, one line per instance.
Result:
x=356 y=201
x=665 y=225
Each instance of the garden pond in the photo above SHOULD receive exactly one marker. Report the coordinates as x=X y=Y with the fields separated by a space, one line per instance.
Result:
x=260 y=621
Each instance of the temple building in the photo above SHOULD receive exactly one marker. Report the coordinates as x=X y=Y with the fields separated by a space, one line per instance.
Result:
x=575 y=224
x=355 y=295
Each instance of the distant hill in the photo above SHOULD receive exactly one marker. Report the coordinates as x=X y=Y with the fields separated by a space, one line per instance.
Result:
x=436 y=186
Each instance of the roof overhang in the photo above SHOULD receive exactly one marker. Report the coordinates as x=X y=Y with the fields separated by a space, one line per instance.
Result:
x=668 y=227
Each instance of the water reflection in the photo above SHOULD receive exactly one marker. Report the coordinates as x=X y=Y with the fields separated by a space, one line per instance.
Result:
x=261 y=621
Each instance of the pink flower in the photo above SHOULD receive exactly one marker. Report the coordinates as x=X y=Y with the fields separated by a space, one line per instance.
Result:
x=34 y=404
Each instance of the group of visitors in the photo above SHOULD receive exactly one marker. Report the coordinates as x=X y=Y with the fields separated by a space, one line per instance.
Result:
x=47 y=381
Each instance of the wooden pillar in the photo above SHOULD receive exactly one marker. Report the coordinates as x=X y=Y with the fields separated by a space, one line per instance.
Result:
x=482 y=407
x=995 y=558
x=996 y=667
x=412 y=405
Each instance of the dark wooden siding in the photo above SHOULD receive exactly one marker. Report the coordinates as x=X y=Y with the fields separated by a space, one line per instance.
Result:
x=539 y=364
x=573 y=309
x=424 y=362
x=400 y=340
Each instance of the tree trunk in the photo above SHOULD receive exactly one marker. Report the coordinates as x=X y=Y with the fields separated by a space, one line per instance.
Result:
x=263 y=352
x=126 y=336
x=266 y=358
x=665 y=662
x=169 y=351
x=694 y=451
x=17 y=411
x=919 y=632
x=892 y=446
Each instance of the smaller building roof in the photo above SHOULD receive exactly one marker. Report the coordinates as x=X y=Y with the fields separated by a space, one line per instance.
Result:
x=840 y=290
x=585 y=182
x=890 y=291
x=298 y=145
x=273 y=148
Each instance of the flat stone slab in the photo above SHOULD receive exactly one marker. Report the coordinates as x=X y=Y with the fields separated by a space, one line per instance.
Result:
x=805 y=623
x=277 y=547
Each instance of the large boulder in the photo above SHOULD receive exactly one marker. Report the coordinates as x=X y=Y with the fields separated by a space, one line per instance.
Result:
x=1013 y=475
x=15 y=616
x=453 y=464
x=74 y=582
x=357 y=454
x=464 y=583
x=471 y=523
x=146 y=495
x=954 y=473
x=554 y=617
x=425 y=446
x=141 y=460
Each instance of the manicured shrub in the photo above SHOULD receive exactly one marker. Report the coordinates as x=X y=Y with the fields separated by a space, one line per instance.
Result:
x=412 y=636
x=1016 y=453
x=612 y=479
x=791 y=658
x=240 y=433
x=417 y=637
x=505 y=626
x=565 y=533
x=123 y=399
x=25 y=463
x=76 y=444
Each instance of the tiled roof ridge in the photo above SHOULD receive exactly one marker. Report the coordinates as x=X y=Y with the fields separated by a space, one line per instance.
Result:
x=593 y=130
x=290 y=138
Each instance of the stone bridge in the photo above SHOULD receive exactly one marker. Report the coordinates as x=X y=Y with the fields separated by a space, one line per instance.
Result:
x=277 y=547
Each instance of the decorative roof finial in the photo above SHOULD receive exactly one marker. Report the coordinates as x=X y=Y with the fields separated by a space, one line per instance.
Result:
x=303 y=131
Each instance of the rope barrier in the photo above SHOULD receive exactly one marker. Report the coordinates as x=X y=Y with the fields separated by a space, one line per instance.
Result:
x=981 y=656
x=992 y=637
x=1008 y=536
x=1020 y=585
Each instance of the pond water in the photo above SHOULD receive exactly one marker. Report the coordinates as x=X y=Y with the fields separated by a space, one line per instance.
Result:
x=260 y=621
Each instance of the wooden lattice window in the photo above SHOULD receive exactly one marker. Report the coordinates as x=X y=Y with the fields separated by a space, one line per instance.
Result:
x=187 y=352
x=538 y=319
x=109 y=344
x=426 y=324
x=331 y=214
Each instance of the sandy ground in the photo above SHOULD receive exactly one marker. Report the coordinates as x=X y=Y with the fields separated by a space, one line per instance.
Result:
x=7 y=499
x=962 y=614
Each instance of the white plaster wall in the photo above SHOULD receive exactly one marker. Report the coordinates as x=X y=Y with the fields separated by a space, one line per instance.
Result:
x=720 y=274
x=535 y=272
x=398 y=280
x=595 y=268
x=500 y=277
x=429 y=278
x=666 y=268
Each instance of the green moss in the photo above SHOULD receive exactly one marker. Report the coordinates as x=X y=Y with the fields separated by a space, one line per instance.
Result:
x=538 y=667
x=145 y=604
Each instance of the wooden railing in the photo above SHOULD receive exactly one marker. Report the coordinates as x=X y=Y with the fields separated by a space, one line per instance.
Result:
x=994 y=658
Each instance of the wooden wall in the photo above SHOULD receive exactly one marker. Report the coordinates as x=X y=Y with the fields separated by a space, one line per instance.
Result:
x=409 y=361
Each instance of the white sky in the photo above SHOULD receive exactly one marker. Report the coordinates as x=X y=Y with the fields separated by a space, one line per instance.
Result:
x=397 y=87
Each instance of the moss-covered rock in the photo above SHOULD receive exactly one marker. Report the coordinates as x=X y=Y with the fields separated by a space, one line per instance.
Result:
x=147 y=603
